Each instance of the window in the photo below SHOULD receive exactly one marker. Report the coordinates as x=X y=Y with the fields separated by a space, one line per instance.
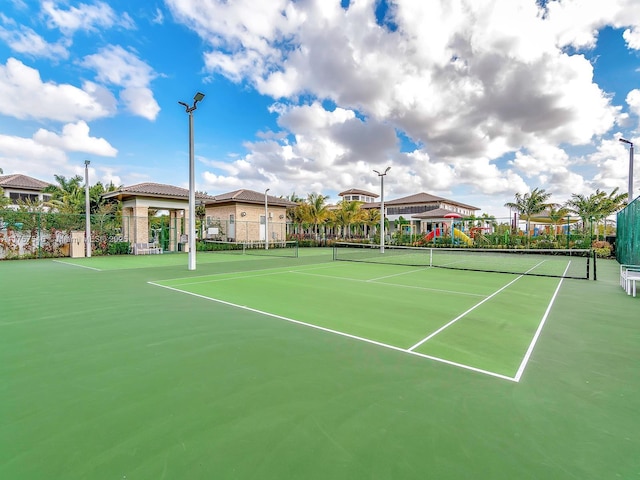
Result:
x=16 y=197
x=232 y=218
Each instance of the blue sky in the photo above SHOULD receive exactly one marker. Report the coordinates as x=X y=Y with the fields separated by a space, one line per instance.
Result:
x=472 y=100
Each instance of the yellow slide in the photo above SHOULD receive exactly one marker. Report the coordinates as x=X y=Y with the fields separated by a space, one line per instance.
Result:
x=462 y=236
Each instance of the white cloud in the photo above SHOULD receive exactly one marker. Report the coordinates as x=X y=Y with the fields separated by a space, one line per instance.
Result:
x=116 y=66
x=75 y=138
x=158 y=17
x=24 y=40
x=633 y=100
x=23 y=94
x=18 y=155
x=632 y=37
x=84 y=17
x=455 y=76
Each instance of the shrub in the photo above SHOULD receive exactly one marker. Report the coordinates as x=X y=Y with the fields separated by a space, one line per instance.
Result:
x=118 y=248
x=602 y=249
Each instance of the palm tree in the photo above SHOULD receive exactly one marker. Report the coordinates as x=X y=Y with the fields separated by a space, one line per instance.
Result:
x=611 y=204
x=530 y=204
x=68 y=195
x=557 y=213
x=587 y=207
x=347 y=214
x=296 y=214
x=317 y=210
x=371 y=217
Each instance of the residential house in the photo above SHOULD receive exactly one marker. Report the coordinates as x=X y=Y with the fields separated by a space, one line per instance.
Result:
x=20 y=187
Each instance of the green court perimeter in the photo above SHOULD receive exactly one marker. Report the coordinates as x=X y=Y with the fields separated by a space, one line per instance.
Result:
x=283 y=368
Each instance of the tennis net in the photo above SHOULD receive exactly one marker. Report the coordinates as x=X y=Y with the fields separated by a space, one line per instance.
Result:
x=274 y=249
x=567 y=263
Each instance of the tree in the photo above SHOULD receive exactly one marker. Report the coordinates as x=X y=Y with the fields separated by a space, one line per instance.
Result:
x=597 y=206
x=611 y=204
x=68 y=195
x=346 y=215
x=4 y=201
x=371 y=217
x=557 y=213
x=96 y=199
x=530 y=204
x=316 y=212
x=297 y=214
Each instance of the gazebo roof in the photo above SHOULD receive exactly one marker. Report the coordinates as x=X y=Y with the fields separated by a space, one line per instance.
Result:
x=158 y=190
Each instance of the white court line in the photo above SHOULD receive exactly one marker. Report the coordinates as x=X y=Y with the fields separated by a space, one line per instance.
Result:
x=76 y=265
x=209 y=275
x=454 y=292
x=231 y=277
x=470 y=310
x=397 y=274
x=343 y=334
x=527 y=355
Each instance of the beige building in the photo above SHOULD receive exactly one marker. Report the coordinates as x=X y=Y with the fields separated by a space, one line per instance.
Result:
x=235 y=216
x=247 y=216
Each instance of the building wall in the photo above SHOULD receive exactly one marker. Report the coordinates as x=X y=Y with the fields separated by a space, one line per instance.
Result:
x=248 y=222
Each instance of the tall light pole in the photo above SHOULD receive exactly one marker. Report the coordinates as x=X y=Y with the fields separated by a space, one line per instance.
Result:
x=87 y=206
x=630 y=195
x=192 y=183
x=266 y=221
x=382 y=175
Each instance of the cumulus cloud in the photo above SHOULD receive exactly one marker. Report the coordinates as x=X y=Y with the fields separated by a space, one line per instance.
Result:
x=23 y=94
x=19 y=154
x=468 y=82
x=116 y=66
x=26 y=41
x=75 y=138
x=87 y=17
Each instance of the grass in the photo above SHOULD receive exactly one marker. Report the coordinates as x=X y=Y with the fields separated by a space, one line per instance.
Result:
x=104 y=375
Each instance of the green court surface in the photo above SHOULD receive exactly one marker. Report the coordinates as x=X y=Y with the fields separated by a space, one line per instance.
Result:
x=256 y=367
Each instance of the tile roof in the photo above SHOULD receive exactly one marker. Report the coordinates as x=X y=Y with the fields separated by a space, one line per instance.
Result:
x=156 y=190
x=357 y=191
x=437 y=213
x=23 y=182
x=426 y=198
x=169 y=191
x=250 y=196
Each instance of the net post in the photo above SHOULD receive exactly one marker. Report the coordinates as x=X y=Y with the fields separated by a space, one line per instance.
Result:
x=595 y=276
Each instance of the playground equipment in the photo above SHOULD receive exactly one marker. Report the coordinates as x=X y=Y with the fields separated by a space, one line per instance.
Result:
x=459 y=234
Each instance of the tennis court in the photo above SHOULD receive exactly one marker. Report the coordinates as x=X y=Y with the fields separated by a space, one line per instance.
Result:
x=305 y=367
